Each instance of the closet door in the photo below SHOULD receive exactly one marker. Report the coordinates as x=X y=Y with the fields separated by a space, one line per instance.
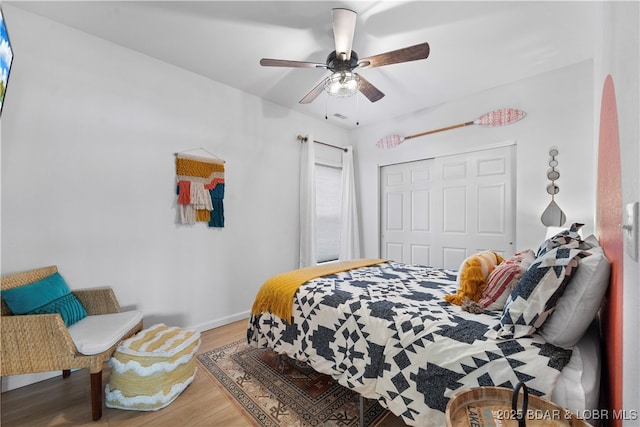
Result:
x=439 y=211
x=406 y=212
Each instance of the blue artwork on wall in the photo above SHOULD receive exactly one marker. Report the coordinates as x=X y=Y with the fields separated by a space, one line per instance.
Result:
x=6 y=58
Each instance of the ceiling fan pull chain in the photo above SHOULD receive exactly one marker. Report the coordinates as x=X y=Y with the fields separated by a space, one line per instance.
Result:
x=326 y=108
x=357 y=110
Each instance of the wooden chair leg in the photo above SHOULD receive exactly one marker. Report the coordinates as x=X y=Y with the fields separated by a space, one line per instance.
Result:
x=66 y=373
x=96 y=395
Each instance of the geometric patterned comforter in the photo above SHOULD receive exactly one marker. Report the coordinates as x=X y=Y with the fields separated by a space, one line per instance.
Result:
x=386 y=332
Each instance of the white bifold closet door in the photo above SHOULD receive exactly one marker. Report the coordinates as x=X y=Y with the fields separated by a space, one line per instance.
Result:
x=438 y=211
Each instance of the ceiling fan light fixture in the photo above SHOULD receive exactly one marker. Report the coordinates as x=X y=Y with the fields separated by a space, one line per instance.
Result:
x=343 y=60
x=342 y=83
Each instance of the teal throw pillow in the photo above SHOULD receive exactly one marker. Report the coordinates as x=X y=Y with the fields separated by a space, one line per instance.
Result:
x=48 y=295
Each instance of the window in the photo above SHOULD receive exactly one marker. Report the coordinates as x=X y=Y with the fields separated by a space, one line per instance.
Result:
x=328 y=211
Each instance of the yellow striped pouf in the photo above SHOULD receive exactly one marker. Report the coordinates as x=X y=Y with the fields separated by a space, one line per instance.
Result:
x=150 y=369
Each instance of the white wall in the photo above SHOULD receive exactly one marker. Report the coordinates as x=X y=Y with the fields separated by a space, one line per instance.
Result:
x=618 y=56
x=559 y=107
x=89 y=132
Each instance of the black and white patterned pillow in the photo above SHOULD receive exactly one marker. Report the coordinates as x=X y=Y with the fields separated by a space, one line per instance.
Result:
x=569 y=238
x=536 y=294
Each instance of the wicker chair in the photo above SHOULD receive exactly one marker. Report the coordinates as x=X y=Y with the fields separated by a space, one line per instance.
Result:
x=42 y=343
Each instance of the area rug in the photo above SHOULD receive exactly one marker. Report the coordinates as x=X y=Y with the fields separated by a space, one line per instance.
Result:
x=283 y=392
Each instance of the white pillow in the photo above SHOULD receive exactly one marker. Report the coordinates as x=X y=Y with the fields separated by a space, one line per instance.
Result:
x=580 y=302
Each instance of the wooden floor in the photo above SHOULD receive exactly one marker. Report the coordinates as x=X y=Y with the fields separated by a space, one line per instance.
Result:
x=66 y=402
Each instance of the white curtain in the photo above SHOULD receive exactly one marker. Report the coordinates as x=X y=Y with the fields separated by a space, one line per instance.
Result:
x=307 y=204
x=349 y=227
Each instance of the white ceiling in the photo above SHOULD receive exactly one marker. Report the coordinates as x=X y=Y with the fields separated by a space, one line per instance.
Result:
x=475 y=45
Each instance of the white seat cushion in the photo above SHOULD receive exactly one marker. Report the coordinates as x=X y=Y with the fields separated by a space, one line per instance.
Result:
x=96 y=334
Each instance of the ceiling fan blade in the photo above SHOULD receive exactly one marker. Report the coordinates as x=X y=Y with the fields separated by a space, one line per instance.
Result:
x=344 y=26
x=313 y=93
x=411 y=53
x=267 y=62
x=372 y=93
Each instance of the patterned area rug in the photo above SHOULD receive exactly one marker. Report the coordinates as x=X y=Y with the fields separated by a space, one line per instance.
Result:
x=285 y=393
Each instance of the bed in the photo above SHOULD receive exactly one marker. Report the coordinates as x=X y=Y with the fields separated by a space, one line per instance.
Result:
x=386 y=330
x=574 y=386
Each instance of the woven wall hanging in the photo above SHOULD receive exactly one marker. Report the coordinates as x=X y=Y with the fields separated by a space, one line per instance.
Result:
x=200 y=189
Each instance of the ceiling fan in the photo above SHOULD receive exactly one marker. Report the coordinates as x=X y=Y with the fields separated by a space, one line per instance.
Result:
x=343 y=61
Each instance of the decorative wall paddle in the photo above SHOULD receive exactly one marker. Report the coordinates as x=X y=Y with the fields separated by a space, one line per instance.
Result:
x=495 y=118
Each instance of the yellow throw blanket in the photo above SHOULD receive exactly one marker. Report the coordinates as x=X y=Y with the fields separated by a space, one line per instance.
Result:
x=276 y=294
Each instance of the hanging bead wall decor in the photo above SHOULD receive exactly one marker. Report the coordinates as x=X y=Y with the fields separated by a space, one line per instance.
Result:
x=553 y=215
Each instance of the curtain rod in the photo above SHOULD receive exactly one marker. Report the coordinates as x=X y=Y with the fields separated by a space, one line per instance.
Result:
x=305 y=139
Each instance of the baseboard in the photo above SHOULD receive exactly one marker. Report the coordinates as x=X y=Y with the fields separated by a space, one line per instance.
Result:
x=12 y=382
x=215 y=323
